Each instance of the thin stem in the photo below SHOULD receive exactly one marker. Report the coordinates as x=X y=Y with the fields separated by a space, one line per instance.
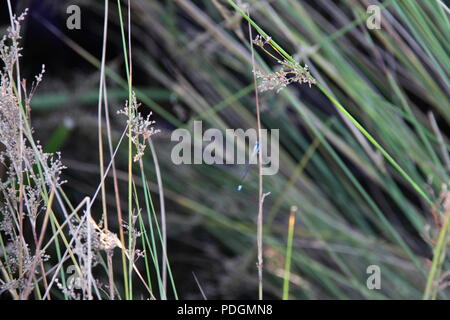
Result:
x=260 y=178
x=287 y=266
x=130 y=146
x=163 y=213
x=438 y=256
x=100 y=145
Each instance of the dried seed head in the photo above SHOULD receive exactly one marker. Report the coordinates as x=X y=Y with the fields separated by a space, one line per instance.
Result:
x=260 y=41
x=290 y=72
x=141 y=128
x=281 y=79
x=23 y=189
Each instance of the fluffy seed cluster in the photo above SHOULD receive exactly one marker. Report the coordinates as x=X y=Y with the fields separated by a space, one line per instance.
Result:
x=141 y=128
x=289 y=73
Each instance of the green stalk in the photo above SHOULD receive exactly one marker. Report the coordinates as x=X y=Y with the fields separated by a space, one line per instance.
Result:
x=438 y=258
x=130 y=158
x=287 y=266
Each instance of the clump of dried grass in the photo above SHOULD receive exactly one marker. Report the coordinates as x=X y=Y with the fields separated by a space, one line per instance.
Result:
x=31 y=181
x=30 y=173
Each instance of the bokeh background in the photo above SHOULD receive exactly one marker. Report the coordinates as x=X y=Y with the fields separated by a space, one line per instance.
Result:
x=192 y=61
